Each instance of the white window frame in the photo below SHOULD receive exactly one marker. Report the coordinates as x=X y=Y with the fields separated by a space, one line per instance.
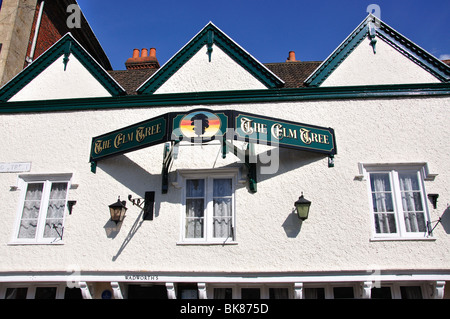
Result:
x=396 y=288
x=329 y=288
x=47 y=180
x=31 y=289
x=237 y=292
x=208 y=176
x=393 y=170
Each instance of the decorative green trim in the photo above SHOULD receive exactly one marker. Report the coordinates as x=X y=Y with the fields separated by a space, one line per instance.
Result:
x=67 y=54
x=415 y=53
x=409 y=49
x=210 y=43
x=338 y=56
x=331 y=160
x=373 y=36
x=167 y=160
x=93 y=167
x=208 y=36
x=64 y=47
x=229 y=97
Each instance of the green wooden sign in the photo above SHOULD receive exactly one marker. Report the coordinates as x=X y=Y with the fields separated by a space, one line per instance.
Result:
x=204 y=125
x=131 y=138
x=261 y=129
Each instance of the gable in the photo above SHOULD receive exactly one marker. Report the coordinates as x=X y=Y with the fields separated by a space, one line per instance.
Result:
x=387 y=66
x=56 y=83
x=211 y=61
x=378 y=55
x=200 y=75
x=64 y=71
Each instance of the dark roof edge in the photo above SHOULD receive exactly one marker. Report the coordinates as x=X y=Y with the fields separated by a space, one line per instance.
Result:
x=85 y=35
x=65 y=46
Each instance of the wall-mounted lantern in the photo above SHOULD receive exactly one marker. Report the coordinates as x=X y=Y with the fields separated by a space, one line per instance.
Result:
x=118 y=210
x=302 y=206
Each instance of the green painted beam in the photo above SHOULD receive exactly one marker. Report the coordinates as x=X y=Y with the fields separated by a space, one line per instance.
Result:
x=229 y=97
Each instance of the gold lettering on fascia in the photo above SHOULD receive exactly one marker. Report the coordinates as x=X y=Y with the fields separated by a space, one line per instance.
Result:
x=143 y=132
x=280 y=132
x=123 y=139
x=308 y=137
x=120 y=139
x=101 y=145
x=249 y=126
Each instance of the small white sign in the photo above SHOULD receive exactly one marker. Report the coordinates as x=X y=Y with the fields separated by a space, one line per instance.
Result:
x=14 y=167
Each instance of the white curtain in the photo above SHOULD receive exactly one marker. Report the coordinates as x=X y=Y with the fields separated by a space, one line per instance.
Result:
x=382 y=203
x=194 y=218
x=55 y=211
x=223 y=214
x=412 y=203
x=30 y=213
x=196 y=202
x=195 y=207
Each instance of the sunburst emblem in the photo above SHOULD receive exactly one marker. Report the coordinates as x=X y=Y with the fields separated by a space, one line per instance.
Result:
x=200 y=124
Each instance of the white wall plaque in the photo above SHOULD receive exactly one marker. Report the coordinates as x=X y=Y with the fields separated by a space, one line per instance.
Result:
x=15 y=167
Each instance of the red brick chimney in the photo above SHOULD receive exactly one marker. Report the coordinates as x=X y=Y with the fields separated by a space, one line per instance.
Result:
x=142 y=60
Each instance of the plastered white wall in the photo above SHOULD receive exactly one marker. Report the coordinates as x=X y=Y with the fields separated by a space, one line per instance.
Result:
x=56 y=83
x=387 y=66
x=336 y=237
x=199 y=74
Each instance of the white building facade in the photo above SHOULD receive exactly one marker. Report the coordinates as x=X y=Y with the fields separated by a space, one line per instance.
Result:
x=365 y=139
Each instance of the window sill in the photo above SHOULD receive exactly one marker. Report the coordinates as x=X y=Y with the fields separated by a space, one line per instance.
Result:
x=204 y=243
x=402 y=239
x=17 y=243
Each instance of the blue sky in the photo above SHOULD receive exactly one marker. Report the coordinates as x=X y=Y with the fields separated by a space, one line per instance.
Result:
x=266 y=29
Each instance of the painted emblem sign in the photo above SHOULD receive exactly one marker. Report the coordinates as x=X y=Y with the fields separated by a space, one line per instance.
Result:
x=200 y=125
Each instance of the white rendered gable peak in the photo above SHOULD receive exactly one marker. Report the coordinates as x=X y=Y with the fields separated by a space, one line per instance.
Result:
x=210 y=61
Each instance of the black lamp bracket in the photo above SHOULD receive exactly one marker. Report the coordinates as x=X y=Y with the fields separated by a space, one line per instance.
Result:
x=430 y=230
x=136 y=201
x=146 y=204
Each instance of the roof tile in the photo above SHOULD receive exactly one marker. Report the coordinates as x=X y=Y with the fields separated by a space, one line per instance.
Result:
x=292 y=73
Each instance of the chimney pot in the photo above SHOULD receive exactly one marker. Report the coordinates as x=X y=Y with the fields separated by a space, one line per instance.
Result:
x=291 y=57
x=142 y=60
